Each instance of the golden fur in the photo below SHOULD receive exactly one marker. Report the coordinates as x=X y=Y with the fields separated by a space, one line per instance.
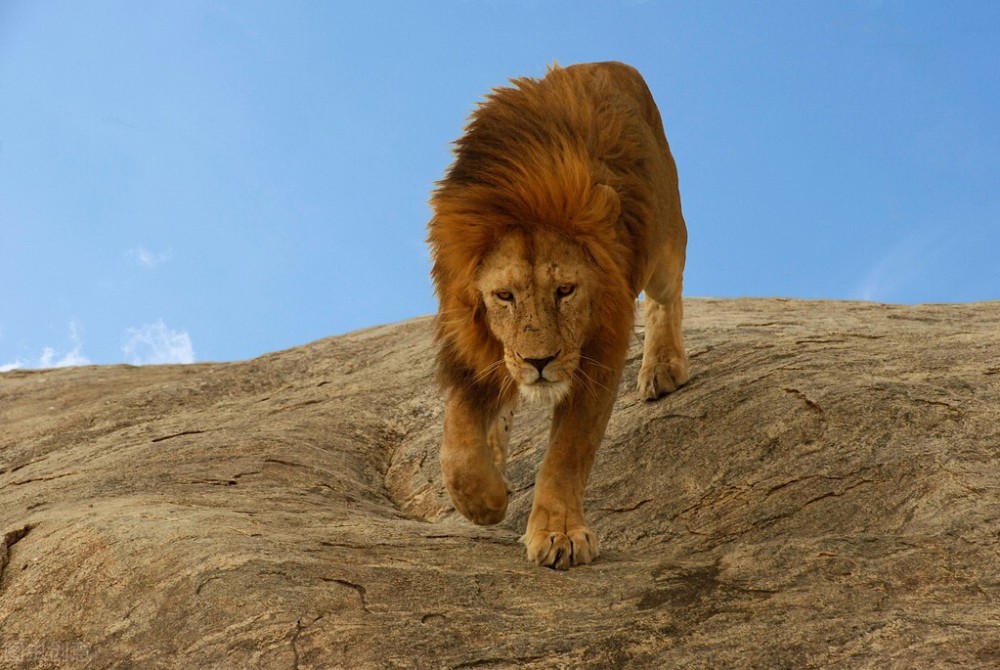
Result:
x=560 y=208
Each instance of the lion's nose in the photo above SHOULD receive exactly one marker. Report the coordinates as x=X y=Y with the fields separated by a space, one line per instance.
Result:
x=540 y=363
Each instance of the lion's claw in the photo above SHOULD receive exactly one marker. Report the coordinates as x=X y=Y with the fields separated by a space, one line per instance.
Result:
x=658 y=380
x=561 y=551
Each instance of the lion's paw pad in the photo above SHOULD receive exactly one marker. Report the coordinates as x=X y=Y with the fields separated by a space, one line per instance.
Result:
x=561 y=551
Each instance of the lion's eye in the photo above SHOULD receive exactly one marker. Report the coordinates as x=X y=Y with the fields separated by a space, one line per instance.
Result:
x=564 y=290
x=504 y=295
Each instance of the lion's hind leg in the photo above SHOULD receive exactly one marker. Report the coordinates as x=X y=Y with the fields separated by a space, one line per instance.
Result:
x=664 y=363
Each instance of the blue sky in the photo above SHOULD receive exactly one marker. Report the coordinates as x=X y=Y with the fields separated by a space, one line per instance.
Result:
x=186 y=181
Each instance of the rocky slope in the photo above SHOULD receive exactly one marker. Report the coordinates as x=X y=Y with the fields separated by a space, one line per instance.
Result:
x=825 y=493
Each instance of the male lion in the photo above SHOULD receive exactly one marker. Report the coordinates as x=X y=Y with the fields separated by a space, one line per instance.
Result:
x=560 y=208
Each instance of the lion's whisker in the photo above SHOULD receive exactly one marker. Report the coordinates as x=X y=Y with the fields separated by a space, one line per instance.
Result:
x=488 y=370
x=583 y=381
x=592 y=381
x=506 y=385
x=593 y=361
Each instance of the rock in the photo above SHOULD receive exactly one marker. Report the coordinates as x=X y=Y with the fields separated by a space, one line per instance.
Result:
x=825 y=493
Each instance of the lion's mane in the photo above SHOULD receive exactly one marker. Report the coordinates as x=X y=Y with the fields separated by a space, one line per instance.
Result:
x=532 y=156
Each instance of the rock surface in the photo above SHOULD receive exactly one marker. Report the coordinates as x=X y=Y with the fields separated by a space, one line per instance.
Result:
x=825 y=493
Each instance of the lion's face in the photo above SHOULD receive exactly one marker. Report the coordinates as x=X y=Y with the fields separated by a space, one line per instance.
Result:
x=538 y=293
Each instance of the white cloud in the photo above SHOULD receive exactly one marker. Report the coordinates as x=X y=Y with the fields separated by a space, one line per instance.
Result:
x=50 y=358
x=74 y=357
x=144 y=258
x=155 y=344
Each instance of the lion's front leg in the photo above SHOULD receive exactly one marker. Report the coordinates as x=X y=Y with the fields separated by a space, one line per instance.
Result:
x=557 y=535
x=469 y=463
x=498 y=434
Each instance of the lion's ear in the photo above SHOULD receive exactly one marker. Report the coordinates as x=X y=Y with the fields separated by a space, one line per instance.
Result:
x=605 y=201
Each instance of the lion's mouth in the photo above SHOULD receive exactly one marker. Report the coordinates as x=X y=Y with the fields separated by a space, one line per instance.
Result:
x=544 y=390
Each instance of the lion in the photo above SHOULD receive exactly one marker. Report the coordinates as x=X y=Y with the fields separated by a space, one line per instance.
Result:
x=561 y=206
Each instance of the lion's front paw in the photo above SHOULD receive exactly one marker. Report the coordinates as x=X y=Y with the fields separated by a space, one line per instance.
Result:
x=476 y=487
x=483 y=502
x=561 y=550
x=657 y=380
